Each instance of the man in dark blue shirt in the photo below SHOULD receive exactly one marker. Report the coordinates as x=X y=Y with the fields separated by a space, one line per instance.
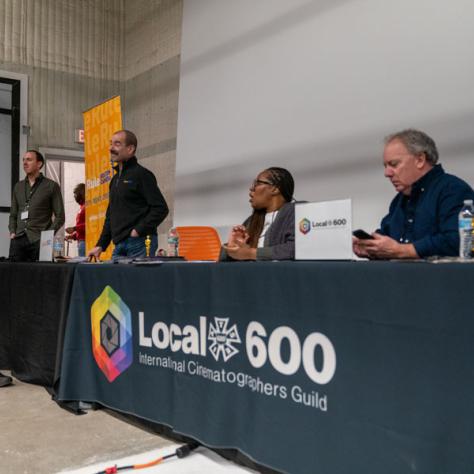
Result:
x=423 y=217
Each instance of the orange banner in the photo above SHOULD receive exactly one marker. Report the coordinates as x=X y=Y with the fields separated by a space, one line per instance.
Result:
x=100 y=123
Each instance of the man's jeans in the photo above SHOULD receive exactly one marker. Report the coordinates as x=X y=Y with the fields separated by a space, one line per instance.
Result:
x=134 y=247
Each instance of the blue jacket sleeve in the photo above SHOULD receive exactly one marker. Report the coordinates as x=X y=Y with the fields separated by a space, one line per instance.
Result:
x=446 y=240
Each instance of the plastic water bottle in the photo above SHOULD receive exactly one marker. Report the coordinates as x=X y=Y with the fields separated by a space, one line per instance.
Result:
x=466 y=220
x=173 y=242
x=57 y=247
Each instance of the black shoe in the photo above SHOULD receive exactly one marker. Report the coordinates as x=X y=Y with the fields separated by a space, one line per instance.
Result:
x=5 y=380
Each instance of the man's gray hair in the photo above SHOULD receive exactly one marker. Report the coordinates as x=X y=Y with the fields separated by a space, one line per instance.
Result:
x=416 y=142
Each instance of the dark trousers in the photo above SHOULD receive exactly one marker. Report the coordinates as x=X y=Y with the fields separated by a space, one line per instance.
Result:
x=22 y=250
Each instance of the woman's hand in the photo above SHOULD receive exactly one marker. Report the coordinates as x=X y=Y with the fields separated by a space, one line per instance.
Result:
x=238 y=236
x=238 y=252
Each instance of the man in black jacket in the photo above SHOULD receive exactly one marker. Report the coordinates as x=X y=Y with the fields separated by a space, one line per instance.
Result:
x=136 y=205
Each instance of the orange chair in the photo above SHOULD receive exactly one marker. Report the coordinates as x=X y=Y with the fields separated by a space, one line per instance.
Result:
x=198 y=243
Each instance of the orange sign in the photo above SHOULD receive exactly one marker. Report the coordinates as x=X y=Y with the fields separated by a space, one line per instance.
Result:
x=100 y=123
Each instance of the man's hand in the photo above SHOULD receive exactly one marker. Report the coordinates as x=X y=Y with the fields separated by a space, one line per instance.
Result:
x=238 y=236
x=358 y=248
x=134 y=233
x=95 y=252
x=70 y=230
x=12 y=235
x=383 y=247
x=238 y=252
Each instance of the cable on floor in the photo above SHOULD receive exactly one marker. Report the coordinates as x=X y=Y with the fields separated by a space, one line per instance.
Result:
x=180 y=452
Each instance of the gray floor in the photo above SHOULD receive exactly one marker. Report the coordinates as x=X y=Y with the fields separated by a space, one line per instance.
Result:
x=37 y=436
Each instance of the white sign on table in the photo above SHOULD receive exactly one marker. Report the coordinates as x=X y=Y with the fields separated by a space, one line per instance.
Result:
x=323 y=230
x=46 y=246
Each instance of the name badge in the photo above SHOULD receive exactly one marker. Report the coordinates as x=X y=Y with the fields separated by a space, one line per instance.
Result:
x=24 y=215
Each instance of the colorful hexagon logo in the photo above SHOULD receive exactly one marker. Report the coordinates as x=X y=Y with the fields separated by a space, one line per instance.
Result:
x=111 y=324
x=305 y=226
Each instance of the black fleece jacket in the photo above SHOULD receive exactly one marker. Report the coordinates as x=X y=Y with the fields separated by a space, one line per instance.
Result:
x=135 y=202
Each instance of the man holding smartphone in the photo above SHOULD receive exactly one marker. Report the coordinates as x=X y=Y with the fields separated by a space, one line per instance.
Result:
x=423 y=217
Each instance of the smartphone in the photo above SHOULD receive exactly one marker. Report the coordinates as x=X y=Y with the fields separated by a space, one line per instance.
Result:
x=361 y=234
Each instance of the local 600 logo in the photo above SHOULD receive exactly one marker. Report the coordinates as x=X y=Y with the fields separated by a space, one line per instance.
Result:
x=305 y=226
x=111 y=326
x=315 y=353
x=217 y=336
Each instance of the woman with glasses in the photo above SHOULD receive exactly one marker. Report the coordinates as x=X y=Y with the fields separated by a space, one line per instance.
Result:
x=269 y=233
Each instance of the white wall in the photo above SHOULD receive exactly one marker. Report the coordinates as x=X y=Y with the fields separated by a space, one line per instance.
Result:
x=5 y=159
x=4 y=234
x=314 y=86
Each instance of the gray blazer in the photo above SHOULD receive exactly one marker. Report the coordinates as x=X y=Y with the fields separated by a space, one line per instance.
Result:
x=279 y=243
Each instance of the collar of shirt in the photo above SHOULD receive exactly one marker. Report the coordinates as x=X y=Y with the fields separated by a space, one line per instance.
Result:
x=420 y=185
x=126 y=164
x=38 y=180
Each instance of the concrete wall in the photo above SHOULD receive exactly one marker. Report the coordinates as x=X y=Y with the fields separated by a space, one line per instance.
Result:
x=150 y=87
x=78 y=53
x=71 y=52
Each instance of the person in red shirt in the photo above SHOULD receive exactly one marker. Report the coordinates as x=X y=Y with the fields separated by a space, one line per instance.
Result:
x=78 y=232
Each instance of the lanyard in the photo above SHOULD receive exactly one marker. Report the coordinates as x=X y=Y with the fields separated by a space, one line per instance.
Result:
x=33 y=189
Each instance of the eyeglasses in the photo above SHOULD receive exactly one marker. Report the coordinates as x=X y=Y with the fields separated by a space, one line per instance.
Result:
x=256 y=182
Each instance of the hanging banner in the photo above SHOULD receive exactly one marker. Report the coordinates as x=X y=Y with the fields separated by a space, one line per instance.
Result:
x=100 y=122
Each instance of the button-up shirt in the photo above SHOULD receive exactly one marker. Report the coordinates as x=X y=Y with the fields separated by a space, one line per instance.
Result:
x=41 y=200
x=428 y=217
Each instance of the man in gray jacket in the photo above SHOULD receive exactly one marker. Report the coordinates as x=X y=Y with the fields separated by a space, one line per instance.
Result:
x=35 y=200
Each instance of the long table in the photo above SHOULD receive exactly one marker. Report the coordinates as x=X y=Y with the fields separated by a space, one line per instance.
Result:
x=34 y=300
x=305 y=367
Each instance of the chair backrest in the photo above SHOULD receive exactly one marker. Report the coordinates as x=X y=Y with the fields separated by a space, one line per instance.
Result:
x=198 y=243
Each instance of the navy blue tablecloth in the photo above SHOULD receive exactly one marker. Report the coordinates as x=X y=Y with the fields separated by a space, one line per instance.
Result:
x=305 y=367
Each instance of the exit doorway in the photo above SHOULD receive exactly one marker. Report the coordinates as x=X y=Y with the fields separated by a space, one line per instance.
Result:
x=66 y=167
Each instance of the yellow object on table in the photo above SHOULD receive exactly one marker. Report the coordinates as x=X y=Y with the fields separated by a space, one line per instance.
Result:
x=147 y=245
